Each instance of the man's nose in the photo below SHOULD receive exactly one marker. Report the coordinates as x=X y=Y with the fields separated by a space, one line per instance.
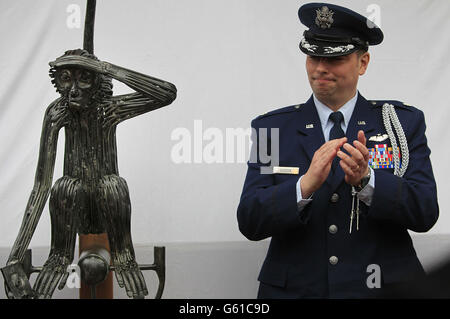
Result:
x=322 y=66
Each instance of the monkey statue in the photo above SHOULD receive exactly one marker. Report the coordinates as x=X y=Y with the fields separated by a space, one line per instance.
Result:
x=90 y=197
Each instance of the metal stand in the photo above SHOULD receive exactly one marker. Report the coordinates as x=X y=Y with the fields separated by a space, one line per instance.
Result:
x=94 y=265
x=14 y=278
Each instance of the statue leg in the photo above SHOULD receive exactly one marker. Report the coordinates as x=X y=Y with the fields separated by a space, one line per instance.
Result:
x=114 y=203
x=65 y=202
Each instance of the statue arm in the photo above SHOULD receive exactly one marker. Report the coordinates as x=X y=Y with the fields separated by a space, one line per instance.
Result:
x=151 y=93
x=43 y=178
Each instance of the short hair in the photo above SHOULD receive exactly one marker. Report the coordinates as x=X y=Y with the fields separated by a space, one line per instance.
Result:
x=362 y=51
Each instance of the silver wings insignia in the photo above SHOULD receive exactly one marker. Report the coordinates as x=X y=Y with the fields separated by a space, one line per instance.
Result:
x=379 y=138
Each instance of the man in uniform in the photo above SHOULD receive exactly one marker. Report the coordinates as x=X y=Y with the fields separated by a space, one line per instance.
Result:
x=351 y=178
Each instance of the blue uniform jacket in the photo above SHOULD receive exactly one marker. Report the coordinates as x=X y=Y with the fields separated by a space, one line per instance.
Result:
x=298 y=263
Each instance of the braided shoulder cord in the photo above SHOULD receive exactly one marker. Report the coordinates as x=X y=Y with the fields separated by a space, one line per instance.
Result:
x=389 y=116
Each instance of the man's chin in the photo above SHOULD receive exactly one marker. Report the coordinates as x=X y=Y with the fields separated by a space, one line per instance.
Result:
x=322 y=93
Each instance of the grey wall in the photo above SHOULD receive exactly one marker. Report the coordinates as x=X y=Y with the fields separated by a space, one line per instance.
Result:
x=221 y=270
x=231 y=60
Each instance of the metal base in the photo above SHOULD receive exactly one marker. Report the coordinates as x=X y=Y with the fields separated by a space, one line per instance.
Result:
x=94 y=265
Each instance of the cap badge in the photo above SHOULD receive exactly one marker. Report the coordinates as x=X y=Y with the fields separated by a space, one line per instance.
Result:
x=324 y=18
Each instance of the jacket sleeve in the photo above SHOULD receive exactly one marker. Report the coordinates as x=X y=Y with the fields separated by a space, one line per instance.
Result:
x=411 y=200
x=265 y=208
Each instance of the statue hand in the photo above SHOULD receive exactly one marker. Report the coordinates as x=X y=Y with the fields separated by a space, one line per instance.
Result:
x=129 y=275
x=52 y=273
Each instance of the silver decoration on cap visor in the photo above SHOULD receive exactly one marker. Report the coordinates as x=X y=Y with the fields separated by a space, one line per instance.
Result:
x=324 y=18
x=307 y=46
x=339 y=49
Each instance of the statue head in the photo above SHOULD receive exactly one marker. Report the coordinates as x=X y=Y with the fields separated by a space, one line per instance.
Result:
x=81 y=87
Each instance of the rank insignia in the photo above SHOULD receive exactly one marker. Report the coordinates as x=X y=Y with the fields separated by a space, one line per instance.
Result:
x=380 y=156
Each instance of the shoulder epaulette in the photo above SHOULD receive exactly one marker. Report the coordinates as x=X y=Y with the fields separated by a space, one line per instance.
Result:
x=379 y=103
x=282 y=110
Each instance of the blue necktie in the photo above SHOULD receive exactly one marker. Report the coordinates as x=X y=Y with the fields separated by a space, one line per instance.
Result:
x=336 y=132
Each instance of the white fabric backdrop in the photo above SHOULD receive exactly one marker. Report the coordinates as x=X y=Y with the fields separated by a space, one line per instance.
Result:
x=231 y=60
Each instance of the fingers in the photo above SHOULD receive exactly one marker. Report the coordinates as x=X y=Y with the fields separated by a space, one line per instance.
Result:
x=129 y=284
x=130 y=277
x=326 y=153
x=320 y=166
x=356 y=159
x=336 y=144
x=53 y=272
x=349 y=161
x=362 y=137
x=46 y=283
x=119 y=278
x=134 y=283
x=361 y=147
x=53 y=283
x=80 y=61
x=142 y=287
x=41 y=282
x=63 y=281
x=355 y=163
x=350 y=174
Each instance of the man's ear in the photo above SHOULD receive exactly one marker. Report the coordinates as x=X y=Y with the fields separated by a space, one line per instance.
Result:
x=363 y=62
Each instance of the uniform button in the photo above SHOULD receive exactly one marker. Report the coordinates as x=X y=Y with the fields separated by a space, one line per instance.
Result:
x=333 y=260
x=334 y=198
x=333 y=229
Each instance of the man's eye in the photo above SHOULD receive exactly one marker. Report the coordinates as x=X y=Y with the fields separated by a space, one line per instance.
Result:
x=339 y=58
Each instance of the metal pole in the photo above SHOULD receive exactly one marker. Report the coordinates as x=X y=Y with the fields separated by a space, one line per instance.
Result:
x=88 y=41
x=103 y=290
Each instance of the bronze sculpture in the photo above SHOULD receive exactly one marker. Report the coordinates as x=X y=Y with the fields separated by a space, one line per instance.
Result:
x=91 y=197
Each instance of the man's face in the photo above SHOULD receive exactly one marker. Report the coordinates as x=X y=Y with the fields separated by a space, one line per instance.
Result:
x=334 y=80
x=77 y=85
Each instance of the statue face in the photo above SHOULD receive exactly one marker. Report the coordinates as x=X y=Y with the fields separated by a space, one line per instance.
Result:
x=77 y=85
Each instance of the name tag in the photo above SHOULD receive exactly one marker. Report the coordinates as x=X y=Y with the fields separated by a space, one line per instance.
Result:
x=286 y=170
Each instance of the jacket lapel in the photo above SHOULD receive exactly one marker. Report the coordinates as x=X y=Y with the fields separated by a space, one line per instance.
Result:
x=309 y=128
x=361 y=119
